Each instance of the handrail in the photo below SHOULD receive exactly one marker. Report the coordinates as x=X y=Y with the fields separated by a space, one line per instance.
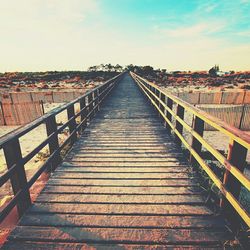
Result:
x=240 y=142
x=89 y=105
x=233 y=132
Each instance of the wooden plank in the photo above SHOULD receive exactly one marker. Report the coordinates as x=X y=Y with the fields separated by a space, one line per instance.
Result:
x=114 y=182
x=124 y=159
x=232 y=97
x=21 y=97
x=95 y=235
x=149 y=176
x=125 y=164
x=24 y=245
x=124 y=169
x=210 y=98
x=247 y=97
x=122 y=221
x=120 y=190
x=136 y=199
x=129 y=209
x=86 y=154
x=10 y=114
x=124 y=151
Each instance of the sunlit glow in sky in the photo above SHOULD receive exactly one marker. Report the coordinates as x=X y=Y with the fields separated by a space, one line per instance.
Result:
x=39 y=35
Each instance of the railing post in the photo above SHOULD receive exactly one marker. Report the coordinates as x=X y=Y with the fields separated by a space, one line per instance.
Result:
x=198 y=127
x=237 y=157
x=157 y=93
x=96 y=97
x=51 y=127
x=178 y=126
x=169 y=116
x=83 y=113
x=101 y=93
x=90 y=108
x=13 y=155
x=163 y=99
x=154 y=98
x=72 y=124
x=98 y=100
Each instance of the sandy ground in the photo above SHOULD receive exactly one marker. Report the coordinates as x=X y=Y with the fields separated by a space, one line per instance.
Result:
x=28 y=142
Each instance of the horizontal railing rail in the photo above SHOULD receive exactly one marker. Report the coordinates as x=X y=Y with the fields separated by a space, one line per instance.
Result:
x=234 y=178
x=15 y=173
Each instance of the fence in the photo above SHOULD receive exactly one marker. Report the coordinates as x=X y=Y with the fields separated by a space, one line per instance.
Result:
x=233 y=179
x=19 y=108
x=223 y=97
x=235 y=115
x=76 y=123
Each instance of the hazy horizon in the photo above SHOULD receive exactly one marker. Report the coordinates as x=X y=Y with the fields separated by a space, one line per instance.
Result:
x=61 y=35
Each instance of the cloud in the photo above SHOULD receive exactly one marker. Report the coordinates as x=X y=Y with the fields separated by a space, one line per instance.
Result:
x=197 y=29
x=199 y=46
x=40 y=34
x=74 y=34
x=38 y=14
x=245 y=1
x=245 y=33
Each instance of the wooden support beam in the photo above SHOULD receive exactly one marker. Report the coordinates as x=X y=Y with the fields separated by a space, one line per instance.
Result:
x=163 y=99
x=169 y=116
x=180 y=112
x=72 y=124
x=237 y=157
x=51 y=127
x=96 y=97
x=90 y=108
x=83 y=112
x=13 y=155
x=198 y=127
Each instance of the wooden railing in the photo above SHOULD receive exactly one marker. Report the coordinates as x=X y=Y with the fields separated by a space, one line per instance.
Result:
x=234 y=164
x=89 y=105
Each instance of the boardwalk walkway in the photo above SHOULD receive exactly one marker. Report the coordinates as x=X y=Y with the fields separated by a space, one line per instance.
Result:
x=124 y=185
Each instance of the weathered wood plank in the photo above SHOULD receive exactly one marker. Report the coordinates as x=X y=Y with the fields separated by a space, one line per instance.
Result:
x=179 y=169
x=135 y=209
x=24 y=245
x=79 y=175
x=86 y=154
x=95 y=235
x=137 y=199
x=124 y=159
x=122 y=221
x=125 y=164
x=114 y=182
x=120 y=190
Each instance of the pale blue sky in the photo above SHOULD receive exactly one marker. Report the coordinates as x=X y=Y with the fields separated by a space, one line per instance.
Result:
x=74 y=34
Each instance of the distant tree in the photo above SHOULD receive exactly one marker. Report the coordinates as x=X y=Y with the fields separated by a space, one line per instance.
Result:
x=92 y=68
x=108 y=67
x=102 y=67
x=213 y=71
x=118 y=68
x=148 y=69
x=130 y=67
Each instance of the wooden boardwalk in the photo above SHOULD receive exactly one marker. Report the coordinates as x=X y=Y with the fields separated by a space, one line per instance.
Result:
x=124 y=185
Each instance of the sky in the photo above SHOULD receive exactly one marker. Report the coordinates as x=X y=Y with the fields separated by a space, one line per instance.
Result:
x=41 y=35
